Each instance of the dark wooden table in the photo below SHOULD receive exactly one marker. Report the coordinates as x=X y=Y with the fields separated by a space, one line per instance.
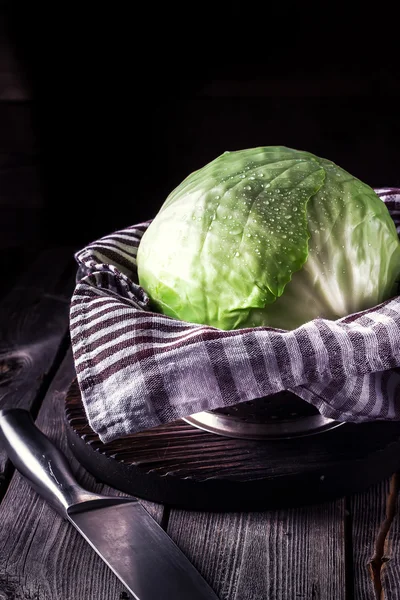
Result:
x=341 y=550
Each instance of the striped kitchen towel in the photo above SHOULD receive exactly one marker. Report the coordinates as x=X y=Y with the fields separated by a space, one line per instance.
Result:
x=138 y=369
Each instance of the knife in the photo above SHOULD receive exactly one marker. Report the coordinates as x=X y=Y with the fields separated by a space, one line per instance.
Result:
x=120 y=530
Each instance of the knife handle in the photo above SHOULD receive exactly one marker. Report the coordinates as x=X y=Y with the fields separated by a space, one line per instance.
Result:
x=37 y=459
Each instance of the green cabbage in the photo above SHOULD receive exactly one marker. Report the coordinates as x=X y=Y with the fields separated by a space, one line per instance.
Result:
x=269 y=236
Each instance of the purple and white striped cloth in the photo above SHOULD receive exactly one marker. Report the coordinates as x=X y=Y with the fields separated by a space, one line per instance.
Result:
x=138 y=369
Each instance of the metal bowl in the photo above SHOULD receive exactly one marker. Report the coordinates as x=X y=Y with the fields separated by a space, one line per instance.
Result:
x=279 y=416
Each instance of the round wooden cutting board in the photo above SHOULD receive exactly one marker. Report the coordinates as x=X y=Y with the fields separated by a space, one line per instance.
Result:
x=180 y=465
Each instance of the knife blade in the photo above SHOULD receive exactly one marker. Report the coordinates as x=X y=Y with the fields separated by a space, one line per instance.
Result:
x=120 y=530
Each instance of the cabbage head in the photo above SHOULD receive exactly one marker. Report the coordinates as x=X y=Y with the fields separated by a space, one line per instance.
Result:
x=269 y=236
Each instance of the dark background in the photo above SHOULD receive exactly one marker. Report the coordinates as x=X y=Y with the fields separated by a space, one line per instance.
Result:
x=102 y=114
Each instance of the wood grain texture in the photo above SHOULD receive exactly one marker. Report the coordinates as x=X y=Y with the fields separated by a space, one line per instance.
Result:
x=274 y=555
x=185 y=467
x=18 y=141
x=42 y=557
x=12 y=84
x=13 y=262
x=20 y=187
x=376 y=541
x=21 y=178
x=33 y=323
x=367 y=512
x=390 y=543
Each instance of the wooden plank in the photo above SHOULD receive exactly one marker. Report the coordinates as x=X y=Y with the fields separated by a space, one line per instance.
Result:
x=13 y=262
x=20 y=195
x=331 y=86
x=21 y=178
x=376 y=541
x=296 y=553
x=33 y=324
x=41 y=555
x=12 y=84
x=18 y=140
x=389 y=543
